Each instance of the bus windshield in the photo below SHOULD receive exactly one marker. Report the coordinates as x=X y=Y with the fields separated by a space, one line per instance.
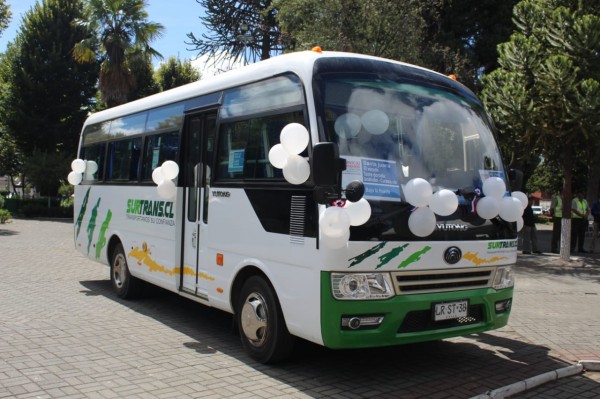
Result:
x=393 y=130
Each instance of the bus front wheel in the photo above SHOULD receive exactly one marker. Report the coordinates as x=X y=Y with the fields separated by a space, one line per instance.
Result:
x=261 y=324
x=124 y=284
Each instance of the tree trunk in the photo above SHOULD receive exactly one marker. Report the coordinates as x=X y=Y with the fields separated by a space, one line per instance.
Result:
x=565 y=237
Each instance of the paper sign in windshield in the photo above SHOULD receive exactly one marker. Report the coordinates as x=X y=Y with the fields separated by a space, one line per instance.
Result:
x=379 y=177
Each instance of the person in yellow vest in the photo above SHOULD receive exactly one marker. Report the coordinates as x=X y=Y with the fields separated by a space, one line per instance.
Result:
x=556 y=212
x=579 y=222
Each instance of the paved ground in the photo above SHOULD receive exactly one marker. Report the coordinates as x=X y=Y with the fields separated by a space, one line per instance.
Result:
x=64 y=334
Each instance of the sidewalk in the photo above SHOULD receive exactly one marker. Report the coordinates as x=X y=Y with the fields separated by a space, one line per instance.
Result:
x=584 y=384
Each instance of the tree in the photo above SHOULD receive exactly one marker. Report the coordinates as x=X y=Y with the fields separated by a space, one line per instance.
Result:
x=174 y=73
x=122 y=37
x=46 y=95
x=5 y=16
x=241 y=30
x=461 y=37
x=145 y=84
x=545 y=97
x=385 y=28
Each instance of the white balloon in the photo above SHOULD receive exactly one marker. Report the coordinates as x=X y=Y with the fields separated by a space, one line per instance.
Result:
x=74 y=178
x=89 y=176
x=334 y=222
x=375 y=121
x=348 y=125
x=170 y=170
x=418 y=192
x=444 y=202
x=520 y=224
x=359 y=211
x=510 y=209
x=91 y=167
x=522 y=197
x=167 y=189
x=78 y=165
x=421 y=222
x=494 y=187
x=335 y=242
x=157 y=175
x=294 y=138
x=278 y=156
x=488 y=207
x=296 y=169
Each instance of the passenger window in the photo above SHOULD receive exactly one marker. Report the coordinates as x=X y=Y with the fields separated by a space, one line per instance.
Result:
x=244 y=146
x=94 y=153
x=124 y=159
x=158 y=149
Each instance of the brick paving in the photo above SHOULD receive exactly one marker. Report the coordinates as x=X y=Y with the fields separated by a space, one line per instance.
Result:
x=64 y=334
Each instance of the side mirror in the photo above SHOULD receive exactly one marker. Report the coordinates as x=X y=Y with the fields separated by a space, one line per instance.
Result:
x=515 y=178
x=326 y=170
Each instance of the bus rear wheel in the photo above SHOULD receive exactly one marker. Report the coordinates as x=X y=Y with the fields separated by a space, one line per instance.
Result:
x=261 y=324
x=124 y=284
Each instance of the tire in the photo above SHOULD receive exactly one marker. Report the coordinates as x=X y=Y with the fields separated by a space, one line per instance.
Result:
x=124 y=284
x=261 y=324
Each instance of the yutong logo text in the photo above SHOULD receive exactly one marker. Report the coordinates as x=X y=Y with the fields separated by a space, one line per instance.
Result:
x=161 y=209
x=452 y=227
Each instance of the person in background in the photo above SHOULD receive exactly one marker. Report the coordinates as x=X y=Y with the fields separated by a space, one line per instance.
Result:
x=596 y=215
x=579 y=222
x=529 y=230
x=556 y=213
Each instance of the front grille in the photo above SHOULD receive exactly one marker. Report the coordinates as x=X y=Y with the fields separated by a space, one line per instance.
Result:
x=432 y=281
x=422 y=320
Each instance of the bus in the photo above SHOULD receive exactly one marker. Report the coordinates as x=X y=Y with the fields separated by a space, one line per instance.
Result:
x=276 y=242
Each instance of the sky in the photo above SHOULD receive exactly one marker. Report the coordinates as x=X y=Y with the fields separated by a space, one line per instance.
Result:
x=179 y=17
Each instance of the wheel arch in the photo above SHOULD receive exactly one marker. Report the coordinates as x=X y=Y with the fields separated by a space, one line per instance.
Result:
x=110 y=248
x=240 y=278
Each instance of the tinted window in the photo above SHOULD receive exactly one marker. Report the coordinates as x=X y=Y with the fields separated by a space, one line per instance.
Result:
x=244 y=146
x=158 y=149
x=94 y=153
x=124 y=159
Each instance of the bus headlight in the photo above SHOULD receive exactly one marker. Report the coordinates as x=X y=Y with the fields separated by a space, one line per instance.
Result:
x=361 y=286
x=504 y=278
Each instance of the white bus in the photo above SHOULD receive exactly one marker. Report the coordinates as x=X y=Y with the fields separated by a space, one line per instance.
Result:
x=236 y=233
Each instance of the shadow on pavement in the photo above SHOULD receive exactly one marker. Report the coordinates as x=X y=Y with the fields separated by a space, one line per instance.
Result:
x=459 y=368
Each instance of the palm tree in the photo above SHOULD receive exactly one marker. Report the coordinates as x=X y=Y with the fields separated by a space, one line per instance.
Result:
x=122 y=37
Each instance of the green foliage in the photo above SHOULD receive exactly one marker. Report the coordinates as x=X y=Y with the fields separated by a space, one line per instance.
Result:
x=447 y=36
x=121 y=41
x=369 y=27
x=240 y=30
x=5 y=15
x=174 y=73
x=46 y=95
x=46 y=170
x=11 y=161
x=43 y=208
x=4 y=216
x=545 y=96
x=144 y=83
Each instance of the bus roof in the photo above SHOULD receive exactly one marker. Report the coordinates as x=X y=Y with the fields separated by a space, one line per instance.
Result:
x=300 y=63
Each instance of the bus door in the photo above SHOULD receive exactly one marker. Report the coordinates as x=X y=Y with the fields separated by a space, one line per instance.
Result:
x=198 y=144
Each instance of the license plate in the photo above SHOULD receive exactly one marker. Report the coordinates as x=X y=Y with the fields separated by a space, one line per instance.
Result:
x=450 y=310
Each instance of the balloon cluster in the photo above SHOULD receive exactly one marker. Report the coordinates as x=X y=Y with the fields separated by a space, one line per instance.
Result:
x=349 y=125
x=335 y=221
x=496 y=204
x=78 y=168
x=419 y=193
x=293 y=140
x=163 y=177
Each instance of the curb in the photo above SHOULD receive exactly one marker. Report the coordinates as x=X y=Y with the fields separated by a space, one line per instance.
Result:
x=530 y=383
